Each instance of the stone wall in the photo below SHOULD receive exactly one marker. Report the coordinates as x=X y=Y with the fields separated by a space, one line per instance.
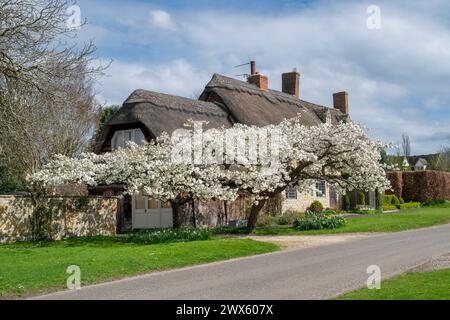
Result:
x=304 y=200
x=70 y=217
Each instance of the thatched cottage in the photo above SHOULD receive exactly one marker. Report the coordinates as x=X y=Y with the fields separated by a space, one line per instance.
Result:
x=223 y=102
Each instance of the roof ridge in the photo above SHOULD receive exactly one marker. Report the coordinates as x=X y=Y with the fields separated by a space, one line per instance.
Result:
x=226 y=82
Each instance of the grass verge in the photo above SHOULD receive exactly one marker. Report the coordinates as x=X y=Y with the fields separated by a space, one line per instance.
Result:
x=31 y=268
x=432 y=285
x=404 y=220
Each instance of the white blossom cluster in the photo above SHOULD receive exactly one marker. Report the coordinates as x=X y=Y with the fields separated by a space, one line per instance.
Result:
x=295 y=155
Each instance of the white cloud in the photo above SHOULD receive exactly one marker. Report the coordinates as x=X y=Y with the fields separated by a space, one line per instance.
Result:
x=161 y=19
x=176 y=77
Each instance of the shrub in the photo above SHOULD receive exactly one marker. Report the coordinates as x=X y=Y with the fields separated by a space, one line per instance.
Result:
x=288 y=217
x=370 y=211
x=361 y=198
x=169 y=235
x=266 y=220
x=316 y=206
x=389 y=207
x=409 y=205
x=395 y=200
x=391 y=199
x=437 y=203
x=318 y=221
x=329 y=212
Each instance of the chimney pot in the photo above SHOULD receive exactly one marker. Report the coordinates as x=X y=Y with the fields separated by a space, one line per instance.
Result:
x=340 y=101
x=290 y=83
x=252 y=67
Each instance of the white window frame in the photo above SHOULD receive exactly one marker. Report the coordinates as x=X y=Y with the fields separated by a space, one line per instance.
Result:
x=319 y=192
x=291 y=193
x=133 y=133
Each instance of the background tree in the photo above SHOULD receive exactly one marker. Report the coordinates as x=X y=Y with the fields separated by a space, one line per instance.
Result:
x=406 y=145
x=47 y=104
x=106 y=114
x=442 y=160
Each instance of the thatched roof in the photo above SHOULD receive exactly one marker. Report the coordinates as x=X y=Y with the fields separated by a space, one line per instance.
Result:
x=253 y=106
x=156 y=113
x=238 y=101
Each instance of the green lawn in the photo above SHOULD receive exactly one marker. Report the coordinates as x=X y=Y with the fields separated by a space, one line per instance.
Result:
x=433 y=285
x=405 y=220
x=27 y=268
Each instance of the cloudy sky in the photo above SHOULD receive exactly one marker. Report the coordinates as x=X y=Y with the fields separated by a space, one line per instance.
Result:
x=397 y=76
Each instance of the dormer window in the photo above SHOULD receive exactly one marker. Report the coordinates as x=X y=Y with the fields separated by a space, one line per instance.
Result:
x=120 y=138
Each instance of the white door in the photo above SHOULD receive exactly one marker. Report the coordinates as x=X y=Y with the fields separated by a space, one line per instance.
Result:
x=150 y=213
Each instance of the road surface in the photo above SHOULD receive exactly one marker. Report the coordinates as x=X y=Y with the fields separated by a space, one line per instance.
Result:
x=311 y=273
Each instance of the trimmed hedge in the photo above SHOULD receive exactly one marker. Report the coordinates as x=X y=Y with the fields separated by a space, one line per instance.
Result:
x=437 y=204
x=409 y=205
x=421 y=186
x=391 y=199
x=396 y=179
x=389 y=207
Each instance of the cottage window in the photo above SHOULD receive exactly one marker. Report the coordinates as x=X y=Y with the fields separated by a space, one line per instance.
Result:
x=121 y=138
x=291 y=193
x=321 y=190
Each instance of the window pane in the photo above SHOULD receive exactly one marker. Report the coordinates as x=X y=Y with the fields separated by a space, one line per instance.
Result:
x=128 y=136
x=139 y=137
x=320 y=189
x=152 y=203
x=139 y=202
x=291 y=193
x=120 y=143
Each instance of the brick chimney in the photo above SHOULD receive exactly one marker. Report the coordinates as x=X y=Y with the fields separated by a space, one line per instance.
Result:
x=259 y=80
x=340 y=101
x=290 y=83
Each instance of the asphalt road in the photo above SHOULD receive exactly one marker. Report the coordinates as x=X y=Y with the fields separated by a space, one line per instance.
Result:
x=311 y=273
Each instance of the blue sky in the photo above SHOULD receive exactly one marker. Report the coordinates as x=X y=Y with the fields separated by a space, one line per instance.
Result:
x=398 y=76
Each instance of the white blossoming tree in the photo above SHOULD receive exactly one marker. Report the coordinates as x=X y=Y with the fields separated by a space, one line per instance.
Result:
x=225 y=163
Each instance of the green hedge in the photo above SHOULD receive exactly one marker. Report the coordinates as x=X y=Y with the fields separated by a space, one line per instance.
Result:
x=409 y=205
x=391 y=199
x=389 y=207
x=437 y=204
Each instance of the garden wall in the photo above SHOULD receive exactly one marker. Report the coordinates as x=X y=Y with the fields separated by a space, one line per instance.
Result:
x=420 y=186
x=67 y=217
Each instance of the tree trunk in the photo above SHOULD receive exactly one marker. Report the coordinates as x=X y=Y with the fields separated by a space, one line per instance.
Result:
x=254 y=213
x=194 y=219
x=225 y=212
x=176 y=215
